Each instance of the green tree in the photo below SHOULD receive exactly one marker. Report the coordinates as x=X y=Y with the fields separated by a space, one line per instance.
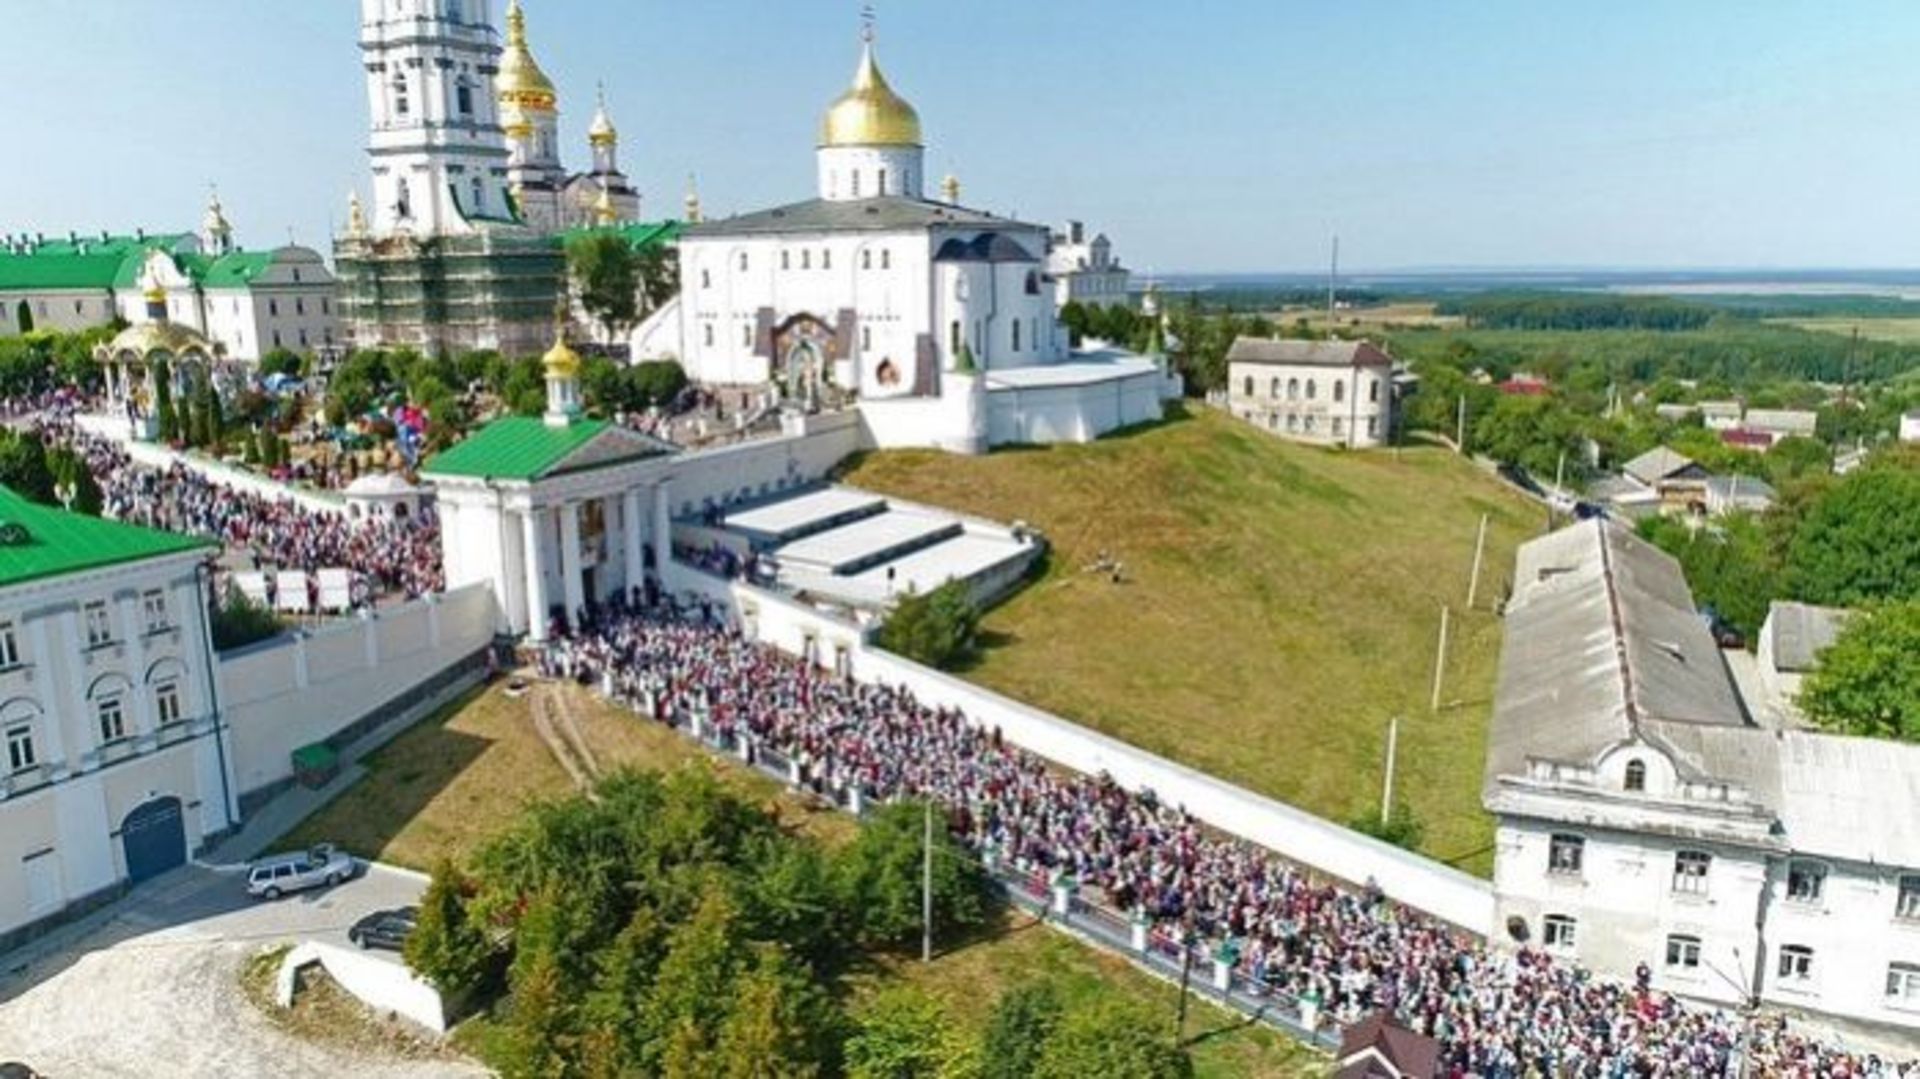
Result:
x=938 y=628
x=1868 y=680
x=659 y=271
x=537 y=1042
x=281 y=361
x=239 y=621
x=606 y=278
x=694 y=986
x=70 y=472
x=447 y=947
x=616 y=1005
x=1017 y=1030
x=1400 y=828
x=655 y=382
x=1731 y=568
x=780 y=1024
x=1115 y=1040
x=1861 y=542
x=882 y=870
x=902 y=1034
x=24 y=466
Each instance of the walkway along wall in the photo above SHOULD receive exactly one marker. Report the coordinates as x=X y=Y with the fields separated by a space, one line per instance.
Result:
x=1439 y=890
x=311 y=685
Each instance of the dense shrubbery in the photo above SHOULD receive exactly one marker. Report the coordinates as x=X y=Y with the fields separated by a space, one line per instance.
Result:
x=938 y=628
x=240 y=621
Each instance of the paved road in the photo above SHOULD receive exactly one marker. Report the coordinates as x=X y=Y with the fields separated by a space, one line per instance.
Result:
x=152 y=988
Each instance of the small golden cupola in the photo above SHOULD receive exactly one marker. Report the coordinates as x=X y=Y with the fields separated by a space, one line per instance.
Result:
x=562 y=365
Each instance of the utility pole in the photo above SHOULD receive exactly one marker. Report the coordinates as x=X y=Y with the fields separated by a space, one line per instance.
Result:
x=1393 y=750
x=1560 y=472
x=1440 y=662
x=1479 y=549
x=926 y=889
x=1333 y=276
x=1460 y=428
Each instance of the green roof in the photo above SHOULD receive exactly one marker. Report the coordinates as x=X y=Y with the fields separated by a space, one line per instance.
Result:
x=514 y=448
x=85 y=262
x=236 y=270
x=58 y=542
x=639 y=235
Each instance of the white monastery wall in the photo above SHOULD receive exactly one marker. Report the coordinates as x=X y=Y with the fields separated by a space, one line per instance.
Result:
x=1446 y=893
x=813 y=445
x=305 y=687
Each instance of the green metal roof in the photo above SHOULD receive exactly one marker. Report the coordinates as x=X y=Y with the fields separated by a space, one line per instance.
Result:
x=58 y=542
x=22 y=272
x=514 y=448
x=236 y=270
x=639 y=235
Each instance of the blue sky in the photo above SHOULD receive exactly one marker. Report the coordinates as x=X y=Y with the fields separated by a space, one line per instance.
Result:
x=1229 y=135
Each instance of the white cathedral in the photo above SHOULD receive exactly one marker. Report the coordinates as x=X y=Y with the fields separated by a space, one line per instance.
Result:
x=937 y=320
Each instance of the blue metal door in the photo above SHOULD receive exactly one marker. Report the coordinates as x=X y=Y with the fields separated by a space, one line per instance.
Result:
x=155 y=839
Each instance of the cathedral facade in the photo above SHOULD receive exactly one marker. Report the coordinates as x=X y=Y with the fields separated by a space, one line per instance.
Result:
x=937 y=320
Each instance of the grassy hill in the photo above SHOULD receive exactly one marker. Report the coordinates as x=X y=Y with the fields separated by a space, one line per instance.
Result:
x=1279 y=604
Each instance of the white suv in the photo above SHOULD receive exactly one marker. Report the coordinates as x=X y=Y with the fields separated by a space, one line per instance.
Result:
x=323 y=865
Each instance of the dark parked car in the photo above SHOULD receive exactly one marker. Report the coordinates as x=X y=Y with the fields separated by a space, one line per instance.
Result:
x=387 y=929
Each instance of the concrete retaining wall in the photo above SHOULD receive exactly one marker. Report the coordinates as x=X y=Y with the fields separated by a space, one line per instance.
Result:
x=381 y=983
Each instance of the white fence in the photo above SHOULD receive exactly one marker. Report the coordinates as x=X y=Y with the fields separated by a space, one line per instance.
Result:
x=309 y=685
x=1439 y=890
x=383 y=984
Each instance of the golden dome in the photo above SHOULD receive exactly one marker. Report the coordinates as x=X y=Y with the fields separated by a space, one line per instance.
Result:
x=560 y=360
x=602 y=132
x=870 y=113
x=149 y=341
x=520 y=81
x=604 y=212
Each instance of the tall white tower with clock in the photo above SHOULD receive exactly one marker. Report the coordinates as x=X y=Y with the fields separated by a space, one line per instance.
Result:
x=439 y=156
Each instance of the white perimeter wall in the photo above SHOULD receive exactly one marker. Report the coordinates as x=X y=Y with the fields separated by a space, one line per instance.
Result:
x=810 y=449
x=305 y=687
x=1079 y=413
x=1439 y=890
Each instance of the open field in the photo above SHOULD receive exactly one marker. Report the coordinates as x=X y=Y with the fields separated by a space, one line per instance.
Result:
x=1391 y=315
x=1899 y=331
x=462 y=775
x=1280 y=604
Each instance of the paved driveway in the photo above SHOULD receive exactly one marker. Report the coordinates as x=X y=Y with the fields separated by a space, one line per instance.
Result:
x=151 y=987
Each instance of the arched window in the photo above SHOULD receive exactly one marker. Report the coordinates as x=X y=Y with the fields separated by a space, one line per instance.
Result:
x=743 y=262
x=856 y=183
x=706 y=279
x=886 y=259
x=880 y=187
x=19 y=721
x=402 y=106
x=866 y=260
x=1246 y=386
x=866 y=338
x=826 y=258
x=1033 y=283
x=1293 y=389
x=1339 y=392
x=1313 y=389
x=463 y=96
x=1373 y=392
x=707 y=335
x=1273 y=388
x=1016 y=335
x=786 y=260
x=108 y=696
x=806 y=260
x=164 y=680
x=479 y=196
x=953 y=337
x=1636 y=775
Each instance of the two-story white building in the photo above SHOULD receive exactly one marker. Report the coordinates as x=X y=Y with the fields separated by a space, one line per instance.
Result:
x=113 y=763
x=1335 y=393
x=1644 y=818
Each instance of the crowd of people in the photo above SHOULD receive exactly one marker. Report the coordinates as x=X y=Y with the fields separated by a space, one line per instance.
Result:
x=1354 y=951
x=386 y=556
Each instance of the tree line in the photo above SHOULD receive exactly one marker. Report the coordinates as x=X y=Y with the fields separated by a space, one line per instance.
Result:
x=1576 y=311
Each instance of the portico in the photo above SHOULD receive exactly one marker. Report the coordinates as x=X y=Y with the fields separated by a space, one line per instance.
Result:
x=558 y=513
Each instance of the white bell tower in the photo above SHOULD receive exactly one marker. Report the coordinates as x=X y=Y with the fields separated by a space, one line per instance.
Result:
x=438 y=153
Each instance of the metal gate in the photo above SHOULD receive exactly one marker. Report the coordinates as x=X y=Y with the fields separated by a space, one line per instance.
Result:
x=155 y=839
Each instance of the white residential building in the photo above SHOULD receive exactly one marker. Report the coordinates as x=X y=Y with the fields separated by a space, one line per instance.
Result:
x=115 y=765
x=1335 y=393
x=1643 y=817
x=1084 y=270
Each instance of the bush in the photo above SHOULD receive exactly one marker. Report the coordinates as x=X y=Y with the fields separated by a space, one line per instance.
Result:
x=240 y=621
x=881 y=875
x=1868 y=682
x=1401 y=828
x=446 y=947
x=938 y=629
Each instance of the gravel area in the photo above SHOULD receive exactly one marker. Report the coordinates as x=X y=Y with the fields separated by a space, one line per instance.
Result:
x=153 y=988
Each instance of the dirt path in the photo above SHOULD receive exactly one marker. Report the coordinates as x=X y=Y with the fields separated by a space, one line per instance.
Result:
x=553 y=720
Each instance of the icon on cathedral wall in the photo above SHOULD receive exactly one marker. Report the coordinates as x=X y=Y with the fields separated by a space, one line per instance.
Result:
x=887 y=374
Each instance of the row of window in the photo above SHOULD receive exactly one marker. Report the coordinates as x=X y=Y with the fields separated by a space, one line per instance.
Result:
x=299 y=303
x=98 y=619
x=1313 y=390
x=1794 y=965
x=806 y=262
x=1806 y=879
x=403 y=97
x=110 y=705
x=1310 y=424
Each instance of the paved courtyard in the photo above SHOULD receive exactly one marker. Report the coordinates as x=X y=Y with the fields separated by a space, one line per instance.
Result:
x=151 y=987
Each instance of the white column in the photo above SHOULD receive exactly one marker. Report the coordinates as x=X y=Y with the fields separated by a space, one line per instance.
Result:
x=662 y=531
x=536 y=576
x=630 y=522
x=570 y=584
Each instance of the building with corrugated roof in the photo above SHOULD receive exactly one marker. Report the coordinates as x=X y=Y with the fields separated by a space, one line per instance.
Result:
x=1645 y=817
